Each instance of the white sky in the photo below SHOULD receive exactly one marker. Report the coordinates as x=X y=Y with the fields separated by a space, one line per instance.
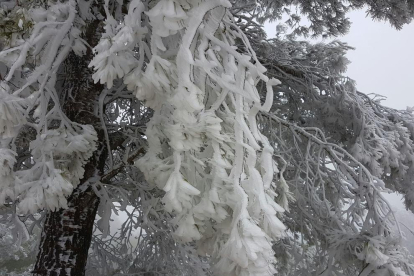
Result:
x=383 y=61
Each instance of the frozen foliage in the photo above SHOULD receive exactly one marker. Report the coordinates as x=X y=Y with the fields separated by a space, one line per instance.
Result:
x=18 y=242
x=205 y=150
x=149 y=248
x=229 y=154
x=326 y=18
x=58 y=157
x=61 y=148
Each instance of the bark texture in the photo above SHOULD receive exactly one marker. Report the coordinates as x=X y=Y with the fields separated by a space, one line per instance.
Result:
x=67 y=235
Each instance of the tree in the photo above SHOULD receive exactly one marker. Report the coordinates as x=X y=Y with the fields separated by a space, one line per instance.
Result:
x=174 y=112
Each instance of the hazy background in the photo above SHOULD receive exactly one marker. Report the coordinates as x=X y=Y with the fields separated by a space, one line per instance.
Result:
x=382 y=63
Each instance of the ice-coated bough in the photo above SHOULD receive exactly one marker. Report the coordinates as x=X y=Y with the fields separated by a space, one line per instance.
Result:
x=205 y=150
x=58 y=151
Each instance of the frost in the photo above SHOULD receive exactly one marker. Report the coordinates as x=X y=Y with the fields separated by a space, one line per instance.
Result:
x=59 y=157
x=7 y=161
x=224 y=126
x=114 y=53
x=12 y=111
x=200 y=147
x=374 y=256
x=167 y=17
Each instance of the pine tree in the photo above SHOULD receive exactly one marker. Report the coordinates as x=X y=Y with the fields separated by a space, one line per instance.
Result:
x=257 y=153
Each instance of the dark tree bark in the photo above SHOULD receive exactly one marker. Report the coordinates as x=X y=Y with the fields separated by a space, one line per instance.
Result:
x=67 y=234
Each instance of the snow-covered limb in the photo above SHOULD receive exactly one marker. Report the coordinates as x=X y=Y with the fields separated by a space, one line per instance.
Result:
x=205 y=147
x=226 y=92
x=59 y=152
x=355 y=220
x=207 y=85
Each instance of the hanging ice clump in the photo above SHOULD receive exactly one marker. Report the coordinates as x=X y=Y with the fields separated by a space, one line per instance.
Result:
x=47 y=174
x=59 y=156
x=205 y=150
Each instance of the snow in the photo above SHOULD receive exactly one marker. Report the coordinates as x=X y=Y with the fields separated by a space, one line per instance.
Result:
x=222 y=187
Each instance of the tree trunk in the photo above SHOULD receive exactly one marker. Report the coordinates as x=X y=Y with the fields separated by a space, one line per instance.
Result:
x=67 y=234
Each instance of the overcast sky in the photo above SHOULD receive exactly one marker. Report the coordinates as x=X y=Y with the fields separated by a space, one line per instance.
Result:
x=383 y=61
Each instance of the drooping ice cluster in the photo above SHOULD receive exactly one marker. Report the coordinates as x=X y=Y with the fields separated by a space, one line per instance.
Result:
x=53 y=165
x=114 y=53
x=59 y=156
x=205 y=150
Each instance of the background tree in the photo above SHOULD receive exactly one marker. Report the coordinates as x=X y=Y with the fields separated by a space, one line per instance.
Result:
x=226 y=158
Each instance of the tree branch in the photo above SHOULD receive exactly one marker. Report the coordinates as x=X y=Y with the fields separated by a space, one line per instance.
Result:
x=112 y=173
